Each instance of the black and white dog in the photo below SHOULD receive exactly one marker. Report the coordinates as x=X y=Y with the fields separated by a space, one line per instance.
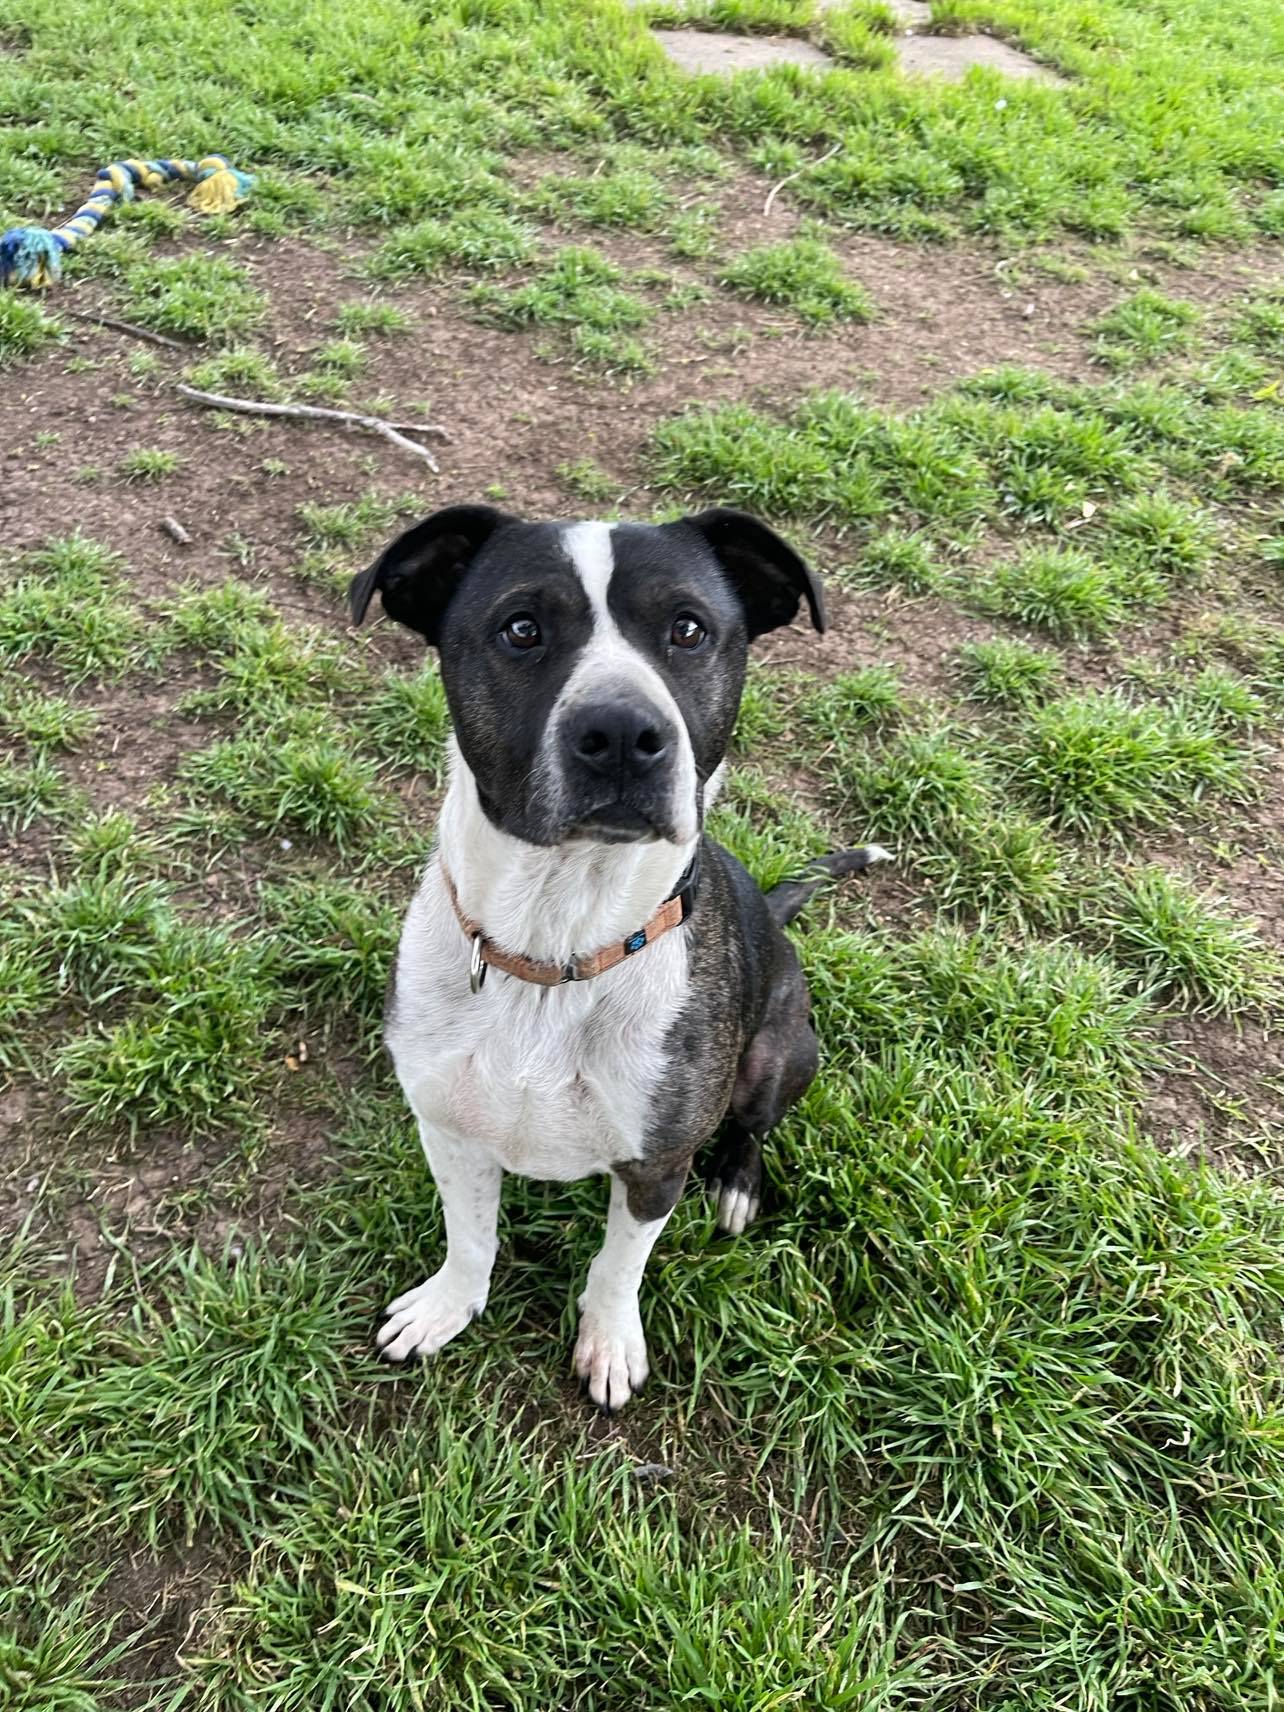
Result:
x=640 y=989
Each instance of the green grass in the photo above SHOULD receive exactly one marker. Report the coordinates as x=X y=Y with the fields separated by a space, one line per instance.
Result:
x=1158 y=538
x=578 y=292
x=913 y=791
x=985 y=1414
x=624 y=197
x=1061 y=591
x=484 y=240
x=30 y=791
x=356 y=320
x=1143 y=328
x=1008 y=672
x=804 y=275
x=1097 y=761
x=43 y=722
x=306 y=782
x=194 y=297
x=149 y=464
x=1188 y=950
x=406 y=722
x=24 y=328
x=67 y=604
x=190 y=1049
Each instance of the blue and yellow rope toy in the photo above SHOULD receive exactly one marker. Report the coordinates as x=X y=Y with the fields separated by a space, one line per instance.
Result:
x=32 y=255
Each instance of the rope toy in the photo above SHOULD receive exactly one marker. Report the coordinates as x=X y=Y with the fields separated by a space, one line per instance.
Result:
x=32 y=255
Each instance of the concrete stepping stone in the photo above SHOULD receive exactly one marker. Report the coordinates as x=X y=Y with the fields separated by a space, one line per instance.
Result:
x=710 y=51
x=952 y=57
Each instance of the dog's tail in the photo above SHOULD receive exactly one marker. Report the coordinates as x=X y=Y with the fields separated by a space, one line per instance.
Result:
x=785 y=900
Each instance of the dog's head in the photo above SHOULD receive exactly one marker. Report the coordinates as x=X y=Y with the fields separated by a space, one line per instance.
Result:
x=593 y=670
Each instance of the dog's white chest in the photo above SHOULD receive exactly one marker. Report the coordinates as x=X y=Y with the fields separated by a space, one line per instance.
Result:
x=553 y=1082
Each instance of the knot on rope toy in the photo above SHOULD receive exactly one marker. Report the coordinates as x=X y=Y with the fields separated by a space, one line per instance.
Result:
x=32 y=255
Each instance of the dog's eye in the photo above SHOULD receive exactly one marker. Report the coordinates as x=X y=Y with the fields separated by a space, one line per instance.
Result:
x=687 y=632
x=521 y=632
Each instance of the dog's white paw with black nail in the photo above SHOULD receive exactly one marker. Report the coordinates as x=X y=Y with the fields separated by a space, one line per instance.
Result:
x=610 y=1355
x=423 y=1320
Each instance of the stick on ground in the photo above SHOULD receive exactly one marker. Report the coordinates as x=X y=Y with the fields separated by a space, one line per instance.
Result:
x=127 y=327
x=314 y=413
x=775 y=190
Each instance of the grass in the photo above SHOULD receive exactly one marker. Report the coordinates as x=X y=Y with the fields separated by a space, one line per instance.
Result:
x=1187 y=950
x=149 y=464
x=309 y=783
x=24 y=328
x=1007 y=672
x=1144 y=328
x=985 y=1413
x=193 y=297
x=43 y=722
x=804 y=275
x=67 y=605
x=1096 y=761
x=579 y=293
x=1061 y=591
x=484 y=240
x=625 y=197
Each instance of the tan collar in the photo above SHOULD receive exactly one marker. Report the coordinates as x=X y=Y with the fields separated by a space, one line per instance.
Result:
x=671 y=913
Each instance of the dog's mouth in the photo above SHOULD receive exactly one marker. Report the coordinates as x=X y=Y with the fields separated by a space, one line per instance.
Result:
x=616 y=823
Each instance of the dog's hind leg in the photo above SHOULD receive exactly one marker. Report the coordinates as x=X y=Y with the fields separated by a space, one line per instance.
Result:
x=775 y=1069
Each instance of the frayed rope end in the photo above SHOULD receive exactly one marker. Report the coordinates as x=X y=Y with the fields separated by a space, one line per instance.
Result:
x=29 y=255
x=221 y=189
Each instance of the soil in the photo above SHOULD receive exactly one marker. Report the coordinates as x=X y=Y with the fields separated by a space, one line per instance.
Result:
x=952 y=57
x=712 y=52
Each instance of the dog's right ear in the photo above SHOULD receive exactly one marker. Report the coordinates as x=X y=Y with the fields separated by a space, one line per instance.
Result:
x=420 y=571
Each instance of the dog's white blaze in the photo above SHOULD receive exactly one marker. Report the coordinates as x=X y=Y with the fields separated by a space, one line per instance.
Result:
x=611 y=662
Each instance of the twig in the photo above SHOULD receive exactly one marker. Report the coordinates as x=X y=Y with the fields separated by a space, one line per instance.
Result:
x=314 y=413
x=777 y=188
x=125 y=327
x=417 y=428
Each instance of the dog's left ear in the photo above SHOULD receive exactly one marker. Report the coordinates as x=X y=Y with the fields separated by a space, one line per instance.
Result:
x=768 y=575
x=420 y=571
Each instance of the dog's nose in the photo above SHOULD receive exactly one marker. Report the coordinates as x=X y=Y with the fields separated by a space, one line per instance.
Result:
x=619 y=742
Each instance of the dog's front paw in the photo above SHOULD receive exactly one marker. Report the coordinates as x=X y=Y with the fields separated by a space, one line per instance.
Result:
x=426 y=1318
x=610 y=1355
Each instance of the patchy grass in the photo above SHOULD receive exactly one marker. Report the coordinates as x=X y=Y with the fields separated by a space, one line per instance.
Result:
x=1008 y=672
x=578 y=293
x=1143 y=328
x=1099 y=762
x=149 y=464
x=484 y=240
x=1061 y=591
x=43 y=722
x=1188 y=950
x=68 y=604
x=985 y=1412
x=24 y=328
x=305 y=781
x=803 y=275
x=193 y=297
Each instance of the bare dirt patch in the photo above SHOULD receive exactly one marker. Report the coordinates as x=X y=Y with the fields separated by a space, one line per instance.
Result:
x=952 y=57
x=710 y=52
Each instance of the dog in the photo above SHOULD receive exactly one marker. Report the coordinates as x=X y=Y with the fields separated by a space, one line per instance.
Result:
x=587 y=983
